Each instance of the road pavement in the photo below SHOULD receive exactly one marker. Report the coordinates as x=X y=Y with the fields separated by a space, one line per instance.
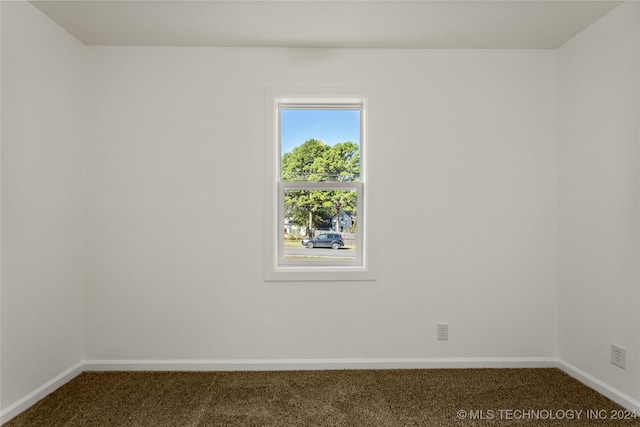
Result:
x=343 y=254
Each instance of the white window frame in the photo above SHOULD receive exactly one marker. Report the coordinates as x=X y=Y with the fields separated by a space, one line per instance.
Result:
x=276 y=267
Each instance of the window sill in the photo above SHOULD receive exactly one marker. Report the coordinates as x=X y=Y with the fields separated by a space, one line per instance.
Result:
x=319 y=274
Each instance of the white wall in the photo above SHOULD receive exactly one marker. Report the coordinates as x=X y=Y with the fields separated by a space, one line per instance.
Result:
x=465 y=164
x=465 y=169
x=42 y=200
x=599 y=259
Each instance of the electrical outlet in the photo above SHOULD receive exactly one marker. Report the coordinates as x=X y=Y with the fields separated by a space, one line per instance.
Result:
x=443 y=331
x=618 y=356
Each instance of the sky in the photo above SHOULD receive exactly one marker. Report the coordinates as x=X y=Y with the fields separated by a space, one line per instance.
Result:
x=330 y=126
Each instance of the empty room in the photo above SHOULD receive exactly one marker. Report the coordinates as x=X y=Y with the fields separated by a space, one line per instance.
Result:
x=320 y=212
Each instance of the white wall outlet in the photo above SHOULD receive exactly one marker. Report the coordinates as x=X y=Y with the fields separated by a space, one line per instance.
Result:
x=443 y=331
x=618 y=356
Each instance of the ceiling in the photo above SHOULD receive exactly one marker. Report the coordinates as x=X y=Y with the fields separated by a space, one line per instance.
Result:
x=450 y=24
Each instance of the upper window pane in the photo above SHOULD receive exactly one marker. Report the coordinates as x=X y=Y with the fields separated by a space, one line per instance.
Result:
x=320 y=144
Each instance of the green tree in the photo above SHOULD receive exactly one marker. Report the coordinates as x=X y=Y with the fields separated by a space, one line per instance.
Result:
x=342 y=162
x=314 y=161
x=304 y=162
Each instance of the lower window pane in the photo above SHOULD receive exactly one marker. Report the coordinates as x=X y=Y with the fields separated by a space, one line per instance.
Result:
x=320 y=225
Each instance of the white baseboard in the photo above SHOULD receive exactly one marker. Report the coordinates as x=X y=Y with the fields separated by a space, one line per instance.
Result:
x=601 y=387
x=47 y=388
x=317 y=364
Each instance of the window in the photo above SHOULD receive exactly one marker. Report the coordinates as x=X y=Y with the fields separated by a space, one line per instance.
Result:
x=317 y=191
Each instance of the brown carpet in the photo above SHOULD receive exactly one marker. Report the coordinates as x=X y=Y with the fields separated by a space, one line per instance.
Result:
x=441 y=397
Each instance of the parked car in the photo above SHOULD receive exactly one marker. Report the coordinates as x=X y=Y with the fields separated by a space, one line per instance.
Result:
x=324 y=240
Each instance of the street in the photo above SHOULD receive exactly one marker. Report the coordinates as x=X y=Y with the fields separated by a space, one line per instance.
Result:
x=320 y=253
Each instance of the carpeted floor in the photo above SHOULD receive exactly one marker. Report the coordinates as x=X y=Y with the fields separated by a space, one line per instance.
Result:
x=441 y=397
